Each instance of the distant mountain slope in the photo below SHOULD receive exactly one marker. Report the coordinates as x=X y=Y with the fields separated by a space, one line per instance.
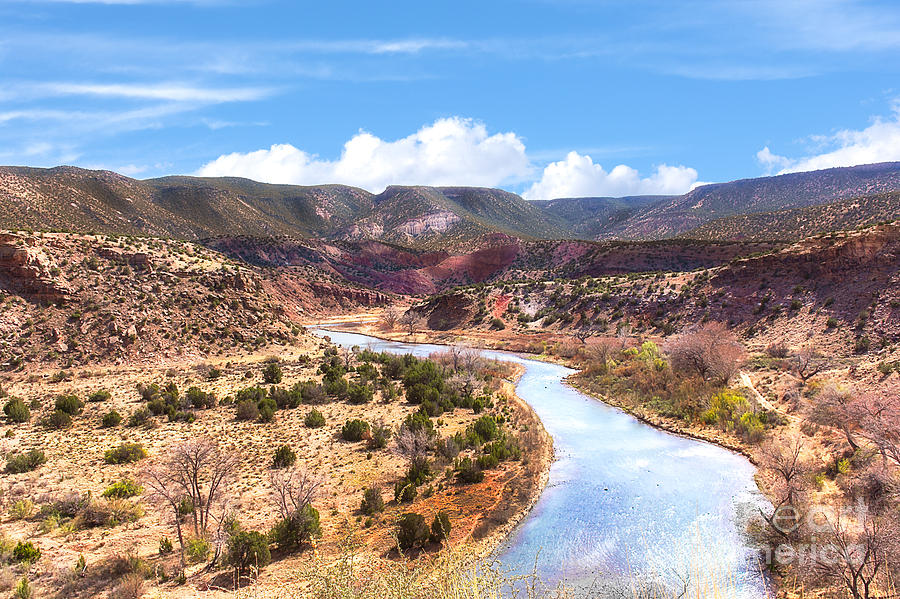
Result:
x=796 y=190
x=793 y=225
x=591 y=218
x=80 y=200
x=437 y=216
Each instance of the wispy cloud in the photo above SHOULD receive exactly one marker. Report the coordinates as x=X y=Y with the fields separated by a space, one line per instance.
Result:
x=153 y=91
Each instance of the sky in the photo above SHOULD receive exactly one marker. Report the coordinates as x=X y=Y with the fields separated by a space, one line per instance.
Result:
x=545 y=98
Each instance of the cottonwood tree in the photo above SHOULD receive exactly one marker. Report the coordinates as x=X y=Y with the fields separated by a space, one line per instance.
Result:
x=836 y=407
x=193 y=475
x=389 y=317
x=857 y=554
x=710 y=350
x=411 y=321
x=784 y=460
x=583 y=333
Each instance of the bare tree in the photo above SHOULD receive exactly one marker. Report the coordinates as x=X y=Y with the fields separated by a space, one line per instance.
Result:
x=808 y=363
x=858 y=554
x=878 y=417
x=194 y=474
x=389 y=318
x=294 y=489
x=710 y=350
x=411 y=321
x=412 y=443
x=784 y=461
x=835 y=407
x=583 y=333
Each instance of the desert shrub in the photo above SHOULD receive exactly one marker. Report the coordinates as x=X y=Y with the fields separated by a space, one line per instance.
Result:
x=98 y=396
x=272 y=374
x=314 y=419
x=23 y=589
x=291 y=533
x=725 y=407
x=25 y=462
x=286 y=398
x=497 y=324
x=405 y=491
x=336 y=388
x=354 y=430
x=267 y=408
x=248 y=549
x=419 y=471
x=861 y=345
x=196 y=549
x=372 y=501
x=126 y=453
x=486 y=428
x=17 y=411
x=214 y=374
x=247 y=410
x=200 y=399
x=831 y=323
x=381 y=432
x=139 y=417
x=487 y=461
x=778 y=350
x=447 y=448
x=21 y=509
x=312 y=393
x=123 y=489
x=360 y=393
x=419 y=422
x=58 y=420
x=412 y=531
x=111 y=419
x=165 y=546
x=284 y=457
x=254 y=394
x=131 y=586
x=440 y=527
x=26 y=552
x=70 y=404
x=468 y=471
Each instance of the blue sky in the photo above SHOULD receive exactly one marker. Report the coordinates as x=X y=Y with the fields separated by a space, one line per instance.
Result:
x=545 y=98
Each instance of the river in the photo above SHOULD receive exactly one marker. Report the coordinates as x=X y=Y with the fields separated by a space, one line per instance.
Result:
x=625 y=501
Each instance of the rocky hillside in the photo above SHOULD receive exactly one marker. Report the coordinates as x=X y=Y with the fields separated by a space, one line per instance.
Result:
x=76 y=299
x=793 y=225
x=766 y=194
x=840 y=290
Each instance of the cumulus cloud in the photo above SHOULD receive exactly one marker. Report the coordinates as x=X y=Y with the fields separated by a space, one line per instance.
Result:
x=879 y=142
x=450 y=151
x=580 y=176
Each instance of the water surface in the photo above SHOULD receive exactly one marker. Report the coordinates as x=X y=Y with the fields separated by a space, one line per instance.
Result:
x=624 y=500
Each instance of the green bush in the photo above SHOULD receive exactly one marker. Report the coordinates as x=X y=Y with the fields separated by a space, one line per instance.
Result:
x=497 y=324
x=165 y=546
x=247 y=410
x=412 y=531
x=248 y=549
x=380 y=435
x=360 y=393
x=197 y=550
x=98 y=396
x=123 y=489
x=111 y=419
x=199 y=398
x=486 y=428
x=440 y=527
x=831 y=323
x=70 y=404
x=284 y=457
x=372 y=501
x=354 y=430
x=58 y=420
x=272 y=374
x=267 y=408
x=139 y=417
x=291 y=533
x=126 y=453
x=468 y=472
x=26 y=552
x=23 y=589
x=314 y=419
x=16 y=410
x=25 y=462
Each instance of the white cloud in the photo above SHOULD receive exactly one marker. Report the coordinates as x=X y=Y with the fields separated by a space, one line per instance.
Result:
x=579 y=176
x=152 y=91
x=451 y=151
x=879 y=142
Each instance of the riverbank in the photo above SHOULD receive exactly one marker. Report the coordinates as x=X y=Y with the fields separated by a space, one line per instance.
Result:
x=369 y=324
x=497 y=505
